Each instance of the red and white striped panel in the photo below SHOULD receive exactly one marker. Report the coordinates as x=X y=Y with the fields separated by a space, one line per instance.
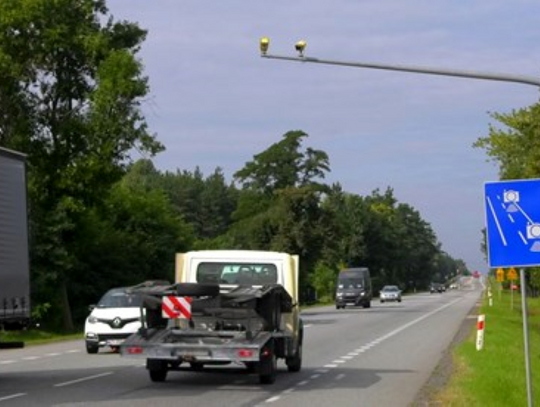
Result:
x=176 y=307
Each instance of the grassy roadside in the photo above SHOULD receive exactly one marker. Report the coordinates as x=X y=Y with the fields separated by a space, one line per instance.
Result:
x=495 y=375
x=36 y=337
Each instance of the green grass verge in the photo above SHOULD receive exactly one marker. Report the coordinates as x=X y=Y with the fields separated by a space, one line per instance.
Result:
x=496 y=374
x=36 y=337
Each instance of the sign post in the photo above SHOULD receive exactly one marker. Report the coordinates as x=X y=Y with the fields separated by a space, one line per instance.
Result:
x=512 y=276
x=500 y=279
x=513 y=238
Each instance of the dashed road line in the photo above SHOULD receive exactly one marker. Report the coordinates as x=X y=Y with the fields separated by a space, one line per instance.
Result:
x=83 y=379
x=12 y=396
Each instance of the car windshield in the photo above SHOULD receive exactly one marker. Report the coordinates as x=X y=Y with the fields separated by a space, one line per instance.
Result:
x=119 y=298
x=390 y=288
x=350 y=283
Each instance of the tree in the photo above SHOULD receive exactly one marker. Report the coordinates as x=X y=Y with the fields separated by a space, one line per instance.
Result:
x=284 y=165
x=71 y=90
x=516 y=146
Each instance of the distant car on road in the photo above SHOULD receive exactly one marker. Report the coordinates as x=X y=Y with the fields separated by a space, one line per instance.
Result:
x=437 y=288
x=390 y=293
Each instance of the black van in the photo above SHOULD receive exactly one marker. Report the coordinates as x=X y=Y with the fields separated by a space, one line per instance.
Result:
x=354 y=288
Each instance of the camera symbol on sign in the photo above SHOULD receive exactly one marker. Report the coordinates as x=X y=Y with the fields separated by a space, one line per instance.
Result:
x=511 y=196
x=533 y=231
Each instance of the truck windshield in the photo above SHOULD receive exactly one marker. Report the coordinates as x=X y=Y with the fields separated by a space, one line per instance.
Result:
x=350 y=283
x=237 y=273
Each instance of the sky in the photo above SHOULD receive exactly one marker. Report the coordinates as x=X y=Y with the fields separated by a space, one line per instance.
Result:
x=214 y=102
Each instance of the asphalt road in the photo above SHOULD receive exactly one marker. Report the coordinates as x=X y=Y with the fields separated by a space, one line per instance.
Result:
x=370 y=357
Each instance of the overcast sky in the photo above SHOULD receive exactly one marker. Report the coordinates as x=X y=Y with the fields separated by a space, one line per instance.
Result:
x=214 y=102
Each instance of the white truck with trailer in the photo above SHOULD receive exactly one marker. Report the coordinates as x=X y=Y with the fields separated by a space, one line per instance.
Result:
x=14 y=255
x=235 y=307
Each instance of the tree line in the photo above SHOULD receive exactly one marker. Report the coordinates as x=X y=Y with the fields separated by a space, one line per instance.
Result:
x=71 y=90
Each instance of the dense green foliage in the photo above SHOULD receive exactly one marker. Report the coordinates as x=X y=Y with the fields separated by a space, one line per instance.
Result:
x=70 y=99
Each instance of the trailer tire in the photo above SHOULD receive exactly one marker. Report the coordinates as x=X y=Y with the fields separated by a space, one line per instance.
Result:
x=197 y=290
x=268 y=367
x=157 y=370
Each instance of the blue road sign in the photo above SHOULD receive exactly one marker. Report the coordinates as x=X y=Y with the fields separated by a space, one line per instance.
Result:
x=513 y=223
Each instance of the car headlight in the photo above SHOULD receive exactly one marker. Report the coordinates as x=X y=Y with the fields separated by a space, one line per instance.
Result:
x=339 y=295
x=92 y=319
x=362 y=293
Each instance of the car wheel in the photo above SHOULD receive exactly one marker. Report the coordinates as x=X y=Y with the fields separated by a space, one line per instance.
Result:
x=382 y=301
x=92 y=348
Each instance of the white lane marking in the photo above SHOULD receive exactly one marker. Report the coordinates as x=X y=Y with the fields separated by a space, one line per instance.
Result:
x=340 y=376
x=303 y=383
x=52 y=354
x=73 y=351
x=314 y=376
x=12 y=396
x=338 y=361
x=347 y=357
x=308 y=325
x=31 y=357
x=330 y=366
x=272 y=399
x=83 y=379
x=288 y=391
x=7 y=362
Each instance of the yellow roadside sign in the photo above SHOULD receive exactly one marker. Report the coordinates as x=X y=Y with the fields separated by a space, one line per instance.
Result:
x=500 y=275
x=512 y=274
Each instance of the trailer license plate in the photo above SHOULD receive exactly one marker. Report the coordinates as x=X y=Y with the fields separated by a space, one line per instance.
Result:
x=191 y=355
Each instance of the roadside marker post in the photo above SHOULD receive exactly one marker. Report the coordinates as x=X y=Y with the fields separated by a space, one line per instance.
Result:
x=480 y=325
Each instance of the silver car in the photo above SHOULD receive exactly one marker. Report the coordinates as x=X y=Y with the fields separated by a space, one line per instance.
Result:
x=390 y=293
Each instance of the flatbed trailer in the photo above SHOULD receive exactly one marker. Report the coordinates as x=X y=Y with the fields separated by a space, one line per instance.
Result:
x=242 y=327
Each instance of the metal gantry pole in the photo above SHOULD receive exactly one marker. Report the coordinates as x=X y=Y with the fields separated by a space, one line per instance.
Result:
x=501 y=77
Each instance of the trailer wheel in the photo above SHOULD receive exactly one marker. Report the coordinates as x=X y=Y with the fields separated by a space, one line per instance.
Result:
x=294 y=363
x=157 y=370
x=268 y=366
